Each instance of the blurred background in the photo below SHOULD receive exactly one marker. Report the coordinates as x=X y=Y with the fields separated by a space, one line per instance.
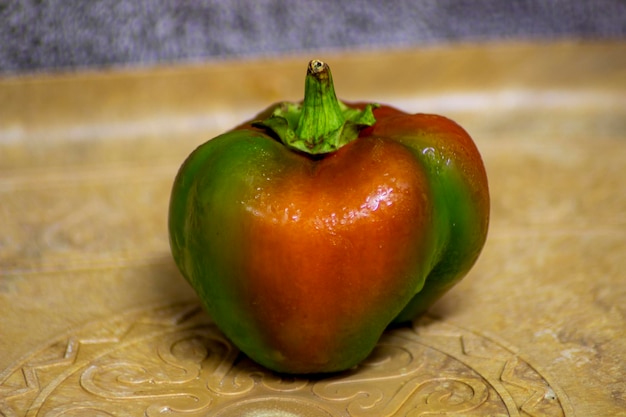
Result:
x=62 y=35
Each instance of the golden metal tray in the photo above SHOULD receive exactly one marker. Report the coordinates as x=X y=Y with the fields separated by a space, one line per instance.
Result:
x=96 y=320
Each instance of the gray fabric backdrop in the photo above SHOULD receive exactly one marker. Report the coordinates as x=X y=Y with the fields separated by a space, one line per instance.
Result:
x=38 y=35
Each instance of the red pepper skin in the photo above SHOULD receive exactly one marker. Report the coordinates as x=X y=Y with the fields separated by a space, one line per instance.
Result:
x=457 y=176
x=303 y=261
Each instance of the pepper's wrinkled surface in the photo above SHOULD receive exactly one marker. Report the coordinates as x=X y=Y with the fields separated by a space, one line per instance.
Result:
x=303 y=259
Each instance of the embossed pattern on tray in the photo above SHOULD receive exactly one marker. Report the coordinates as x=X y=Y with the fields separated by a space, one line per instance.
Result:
x=172 y=360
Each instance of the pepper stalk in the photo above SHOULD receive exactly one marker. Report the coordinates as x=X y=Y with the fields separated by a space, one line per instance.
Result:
x=321 y=123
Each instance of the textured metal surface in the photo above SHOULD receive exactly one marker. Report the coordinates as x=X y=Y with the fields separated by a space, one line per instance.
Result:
x=96 y=320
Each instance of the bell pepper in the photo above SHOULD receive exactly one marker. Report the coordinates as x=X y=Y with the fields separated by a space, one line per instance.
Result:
x=311 y=229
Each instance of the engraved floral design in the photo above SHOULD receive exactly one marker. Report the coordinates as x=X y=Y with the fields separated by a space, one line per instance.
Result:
x=173 y=360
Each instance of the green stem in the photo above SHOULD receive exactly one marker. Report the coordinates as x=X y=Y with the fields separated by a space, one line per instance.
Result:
x=321 y=123
x=321 y=113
